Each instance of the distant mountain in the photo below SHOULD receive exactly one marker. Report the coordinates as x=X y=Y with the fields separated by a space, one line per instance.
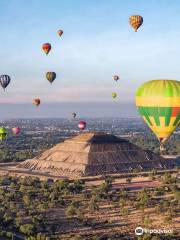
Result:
x=83 y=109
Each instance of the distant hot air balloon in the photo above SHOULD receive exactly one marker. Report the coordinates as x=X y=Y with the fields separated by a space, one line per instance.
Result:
x=82 y=125
x=74 y=115
x=46 y=48
x=4 y=81
x=36 y=101
x=60 y=33
x=51 y=76
x=158 y=102
x=116 y=78
x=3 y=133
x=16 y=130
x=114 y=95
x=135 y=21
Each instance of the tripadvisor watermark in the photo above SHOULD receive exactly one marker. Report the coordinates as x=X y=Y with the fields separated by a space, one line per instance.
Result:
x=140 y=231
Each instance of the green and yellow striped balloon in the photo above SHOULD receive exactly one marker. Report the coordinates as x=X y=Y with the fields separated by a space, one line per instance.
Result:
x=158 y=102
x=3 y=133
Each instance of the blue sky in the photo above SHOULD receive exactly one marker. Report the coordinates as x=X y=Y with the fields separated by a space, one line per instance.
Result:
x=97 y=43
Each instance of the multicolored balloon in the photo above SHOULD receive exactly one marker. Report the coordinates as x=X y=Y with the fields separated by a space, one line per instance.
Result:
x=36 y=101
x=82 y=125
x=51 y=76
x=158 y=102
x=116 y=78
x=114 y=95
x=46 y=48
x=135 y=21
x=60 y=32
x=16 y=130
x=3 y=133
x=4 y=81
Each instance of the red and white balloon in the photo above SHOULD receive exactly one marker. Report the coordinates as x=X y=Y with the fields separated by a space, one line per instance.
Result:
x=16 y=130
x=82 y=125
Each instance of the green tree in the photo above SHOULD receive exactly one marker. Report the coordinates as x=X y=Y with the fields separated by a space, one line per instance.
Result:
x=71 y=211
x=93 y=205
x=26 y=200
x=124 y=211
x=147 y=221
x=129 y=180
x=27 y=229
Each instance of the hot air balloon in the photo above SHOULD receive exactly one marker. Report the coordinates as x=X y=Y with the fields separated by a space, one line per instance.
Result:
x=51 y=76
x=82 y=125
x=135 y=21
x=36 y=101
x=60 y=33
x=16 y=130
x=46 y=48
x=74 y=115
x=116 y=78
x=114 y=95
x=158 y=102
x=3 y=133
x=4 y=81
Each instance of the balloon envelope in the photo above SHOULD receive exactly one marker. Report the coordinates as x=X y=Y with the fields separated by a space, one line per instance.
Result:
x=116 y=77
x=3 y=133
x=60 y=33
x=82 y=125
x=36 y=101
x=46 y=48
x=158 y=102
x=135 y=21
x=114 y=95
x=4 y=80
x=51 y=76
x=74 y=115
x=16 y=130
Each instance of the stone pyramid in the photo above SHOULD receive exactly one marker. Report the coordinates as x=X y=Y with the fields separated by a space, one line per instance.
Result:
x=94 y=153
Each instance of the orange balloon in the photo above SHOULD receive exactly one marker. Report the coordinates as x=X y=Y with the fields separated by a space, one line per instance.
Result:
x=135 y=21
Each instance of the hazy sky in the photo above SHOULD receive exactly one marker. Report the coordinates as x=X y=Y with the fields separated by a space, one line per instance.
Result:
x=97 y=43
